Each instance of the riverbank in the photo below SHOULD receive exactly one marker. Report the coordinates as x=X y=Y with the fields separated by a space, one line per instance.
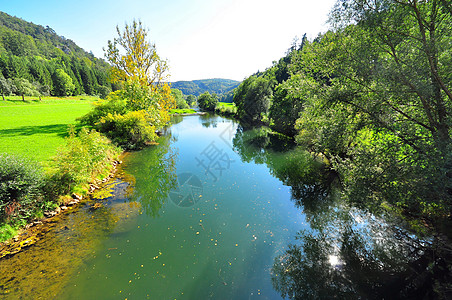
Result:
x=36 y=229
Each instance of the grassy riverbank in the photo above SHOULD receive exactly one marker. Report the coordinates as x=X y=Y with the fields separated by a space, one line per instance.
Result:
x=181 y=111
x=42 y=161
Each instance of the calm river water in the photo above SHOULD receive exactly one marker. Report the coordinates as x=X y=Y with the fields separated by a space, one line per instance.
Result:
x=217 y=212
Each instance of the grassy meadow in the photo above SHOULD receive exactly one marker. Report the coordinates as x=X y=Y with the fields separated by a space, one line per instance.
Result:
x=225 y=104
x=35 y=129
x=178 y=111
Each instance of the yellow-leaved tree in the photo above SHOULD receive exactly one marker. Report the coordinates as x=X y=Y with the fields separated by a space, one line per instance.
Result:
x=133 y=57
x=131 y=116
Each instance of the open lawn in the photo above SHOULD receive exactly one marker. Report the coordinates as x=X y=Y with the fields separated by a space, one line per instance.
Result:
x=225 y=104
x=178 y=111
x=35 y=129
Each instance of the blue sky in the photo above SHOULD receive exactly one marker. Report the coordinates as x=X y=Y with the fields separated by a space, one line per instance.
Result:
x=200 y=38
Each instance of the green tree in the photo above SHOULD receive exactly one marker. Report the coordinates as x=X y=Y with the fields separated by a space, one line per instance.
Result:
x=253 y=98
x=179 y=97
x=63 y=85
x=407 y=55
x=207 y=102
x=191 y=100
x=287 y=105
x=22 y=87
x=379 y=102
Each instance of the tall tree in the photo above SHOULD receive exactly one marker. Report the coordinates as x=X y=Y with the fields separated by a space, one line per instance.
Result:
x=63 y=83
x=407 y=59
x=379 y=102
x=253 y=99
x=140 y=60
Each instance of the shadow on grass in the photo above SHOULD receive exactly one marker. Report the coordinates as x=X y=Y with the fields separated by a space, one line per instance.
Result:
x=27 y=101
x=60 y=129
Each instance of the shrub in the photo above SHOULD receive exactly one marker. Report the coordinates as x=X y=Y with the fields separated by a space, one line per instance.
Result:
x=81 y=160
x=131 y=131
x=20 y=187
x=113 y=105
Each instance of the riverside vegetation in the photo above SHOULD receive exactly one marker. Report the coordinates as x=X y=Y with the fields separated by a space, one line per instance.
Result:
x=128 y=118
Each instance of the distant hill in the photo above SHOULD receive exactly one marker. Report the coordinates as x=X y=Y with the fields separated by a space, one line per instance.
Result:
x=197 y=87
x=39 y=56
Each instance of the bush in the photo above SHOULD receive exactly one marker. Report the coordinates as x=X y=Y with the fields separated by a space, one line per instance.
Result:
x=113 y=105
x=82 y=160
x=20 y=187
x=131 y=131
x=131 y=116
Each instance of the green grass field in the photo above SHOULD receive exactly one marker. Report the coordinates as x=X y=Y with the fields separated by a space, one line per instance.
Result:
x=178 y=111
x=225 y=104
x=35 y=129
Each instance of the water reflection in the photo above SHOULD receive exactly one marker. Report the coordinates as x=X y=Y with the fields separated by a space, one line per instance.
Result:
x=154 y=175
x=311 y=182
x=208 y=120
x=346 y=253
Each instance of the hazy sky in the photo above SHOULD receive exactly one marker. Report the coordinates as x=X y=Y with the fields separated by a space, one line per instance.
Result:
x=200 y=38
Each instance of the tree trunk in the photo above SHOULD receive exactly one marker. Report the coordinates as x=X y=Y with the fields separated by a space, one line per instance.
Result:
x=23 y=97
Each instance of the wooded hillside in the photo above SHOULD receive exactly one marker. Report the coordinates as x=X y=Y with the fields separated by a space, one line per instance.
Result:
x=35 y=60
x=197 y=87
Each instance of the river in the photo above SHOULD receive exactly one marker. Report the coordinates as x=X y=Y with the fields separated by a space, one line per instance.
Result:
x=217 y=212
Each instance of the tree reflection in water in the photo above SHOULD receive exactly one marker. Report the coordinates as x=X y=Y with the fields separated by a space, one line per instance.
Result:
x=154 y=175
x=348 y=253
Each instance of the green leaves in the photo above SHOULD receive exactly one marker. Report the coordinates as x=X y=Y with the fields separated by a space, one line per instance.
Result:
x=63 y=85
x=20 y=186
x=207 y=101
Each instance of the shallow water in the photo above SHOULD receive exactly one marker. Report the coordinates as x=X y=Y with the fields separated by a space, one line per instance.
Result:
x=215 y=211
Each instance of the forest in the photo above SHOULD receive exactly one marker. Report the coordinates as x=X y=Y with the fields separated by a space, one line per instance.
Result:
x=35 y=61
